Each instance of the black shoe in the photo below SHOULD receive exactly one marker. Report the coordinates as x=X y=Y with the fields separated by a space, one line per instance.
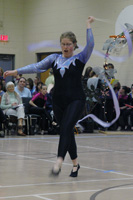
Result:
x=20 y=131
x=75 y=174
x=55 y=173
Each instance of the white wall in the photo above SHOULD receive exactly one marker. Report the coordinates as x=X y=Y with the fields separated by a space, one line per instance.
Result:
x=47 y=19
x=29 y=21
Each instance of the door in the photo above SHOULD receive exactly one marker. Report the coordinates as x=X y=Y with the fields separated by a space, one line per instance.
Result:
x=41 y=56
x=44 y=75
x=7 y=63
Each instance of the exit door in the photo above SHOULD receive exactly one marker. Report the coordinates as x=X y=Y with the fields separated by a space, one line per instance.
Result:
x=40 y=56
x=7 y=63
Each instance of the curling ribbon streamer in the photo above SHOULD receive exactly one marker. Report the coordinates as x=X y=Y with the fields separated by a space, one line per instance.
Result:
x=44 y=44
x=116 y=106
x=103 y=20
x=129 y=41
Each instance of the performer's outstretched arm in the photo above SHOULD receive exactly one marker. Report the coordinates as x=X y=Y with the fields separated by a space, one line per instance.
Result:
x=39 y=67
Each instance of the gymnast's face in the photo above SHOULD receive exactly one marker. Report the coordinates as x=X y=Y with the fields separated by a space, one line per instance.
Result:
x=67 y=47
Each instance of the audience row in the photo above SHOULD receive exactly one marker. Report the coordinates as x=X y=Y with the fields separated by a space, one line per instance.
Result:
x=98 y=95
x=40 y=101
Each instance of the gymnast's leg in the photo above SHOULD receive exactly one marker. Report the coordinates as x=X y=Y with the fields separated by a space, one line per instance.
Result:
x=67 y=119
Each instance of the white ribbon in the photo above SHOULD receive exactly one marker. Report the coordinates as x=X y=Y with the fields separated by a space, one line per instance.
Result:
x=116 y=106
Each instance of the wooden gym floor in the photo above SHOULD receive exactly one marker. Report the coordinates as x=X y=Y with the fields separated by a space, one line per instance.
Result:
x=106 y=168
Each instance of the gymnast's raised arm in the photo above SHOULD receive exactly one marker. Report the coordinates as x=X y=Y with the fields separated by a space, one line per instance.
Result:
x=87 y=51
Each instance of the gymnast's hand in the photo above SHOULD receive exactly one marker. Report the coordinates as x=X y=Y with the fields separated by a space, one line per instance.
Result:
x=89 y=21
x=10 y=73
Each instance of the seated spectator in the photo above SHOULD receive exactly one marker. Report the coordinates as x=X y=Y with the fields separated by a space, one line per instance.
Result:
x=93 y=81
x=16 y=79
x=1 y=88
x=21 y=88
x=49 y=104
x=30 y=85
x=38 y=87
x=38 y=103
x=36 y=80
x=116 y=88
x=11 y=104
x=2 y=79
x=1 y=73
x=4 y=85
x=109 y=71
x=87 y=74
x=94 y=84
x=50 y=79
x=123 y=99
x=128 y=122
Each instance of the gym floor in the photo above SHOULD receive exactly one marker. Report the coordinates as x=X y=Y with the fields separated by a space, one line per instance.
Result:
x=106 y=172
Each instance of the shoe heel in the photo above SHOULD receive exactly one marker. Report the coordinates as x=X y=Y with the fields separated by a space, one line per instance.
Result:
x=75 y=174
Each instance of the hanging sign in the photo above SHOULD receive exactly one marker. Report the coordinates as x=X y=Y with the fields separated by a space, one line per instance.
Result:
x=3 y=38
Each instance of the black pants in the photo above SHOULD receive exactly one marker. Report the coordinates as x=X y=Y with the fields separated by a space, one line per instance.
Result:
x=43 y=113
x=125 y=115
x=67 y=118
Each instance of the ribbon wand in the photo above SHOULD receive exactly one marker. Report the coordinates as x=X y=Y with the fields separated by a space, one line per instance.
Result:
x=103 y=20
